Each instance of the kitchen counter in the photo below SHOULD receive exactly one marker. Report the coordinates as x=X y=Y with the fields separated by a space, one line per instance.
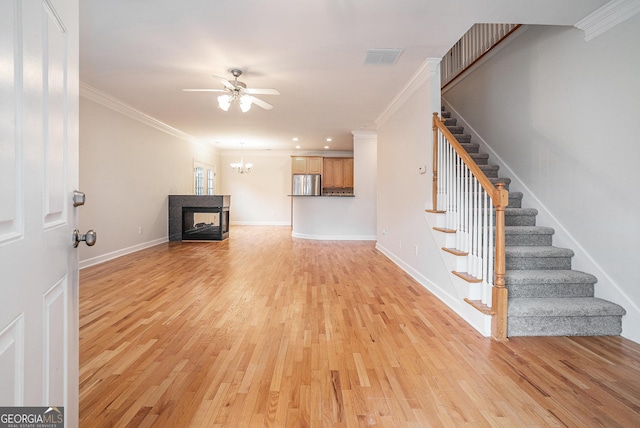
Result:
x=329 y=217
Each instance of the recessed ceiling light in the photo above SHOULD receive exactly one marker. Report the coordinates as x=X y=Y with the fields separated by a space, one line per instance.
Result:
x=326 y=147
x=295 y=138
x=329 y=140
x=297 y=147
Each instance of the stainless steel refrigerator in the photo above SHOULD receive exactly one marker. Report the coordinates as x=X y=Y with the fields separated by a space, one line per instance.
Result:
x=306 y=185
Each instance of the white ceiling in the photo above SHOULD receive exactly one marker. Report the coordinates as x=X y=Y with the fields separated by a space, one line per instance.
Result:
x=144 y=52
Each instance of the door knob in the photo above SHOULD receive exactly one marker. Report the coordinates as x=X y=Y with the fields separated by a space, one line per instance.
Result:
x=89 y=238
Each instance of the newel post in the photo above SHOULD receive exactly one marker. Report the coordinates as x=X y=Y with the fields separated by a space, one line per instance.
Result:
x=500 y=293
x=434 y=187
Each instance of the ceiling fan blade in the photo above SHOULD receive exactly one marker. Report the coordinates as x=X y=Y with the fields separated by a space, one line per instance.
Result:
x=225 y=82
x=204 y=90
x=265 y=105
x=264 y=91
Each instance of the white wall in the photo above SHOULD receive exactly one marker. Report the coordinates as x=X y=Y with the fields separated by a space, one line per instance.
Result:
x=259 y=197
x=339 y=217
x=563 y=115
x=404 y=144
x=127 y=169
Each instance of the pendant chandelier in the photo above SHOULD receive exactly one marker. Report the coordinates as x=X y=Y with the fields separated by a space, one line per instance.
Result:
x=241 y=167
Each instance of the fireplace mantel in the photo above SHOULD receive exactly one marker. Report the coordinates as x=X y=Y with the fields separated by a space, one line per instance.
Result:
x=184 y=208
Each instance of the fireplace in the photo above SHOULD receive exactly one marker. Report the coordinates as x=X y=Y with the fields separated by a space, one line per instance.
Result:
x=198 y=218
x=203 y=224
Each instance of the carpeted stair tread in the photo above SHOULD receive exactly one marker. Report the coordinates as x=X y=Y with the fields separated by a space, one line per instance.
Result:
x=537 y=257
x=491 y=171
x=505 y=180
x=456 y=129
x=536 y=276
x=549 y=283
x=572 y=316
x=520 y=211
x=528 y=230
x=518 y=195
x=520 y=216
x=479 y=158
x=473 y=148
x=528 y=251
x=563 y=306
x=450 y=122
x=528 y=235
x=515 y=200
x=463 y=138
x=606 y=325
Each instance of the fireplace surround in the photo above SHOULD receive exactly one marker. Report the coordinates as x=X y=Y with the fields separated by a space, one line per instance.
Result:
x=199 y=217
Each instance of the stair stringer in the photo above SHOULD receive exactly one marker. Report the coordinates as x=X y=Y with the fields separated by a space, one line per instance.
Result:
x=463 y=289
x=607 y=288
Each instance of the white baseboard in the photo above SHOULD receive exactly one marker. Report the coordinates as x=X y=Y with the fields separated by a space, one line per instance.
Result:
x=119 y=253
x=335 y=237
x=260 y=223
x=480 y=322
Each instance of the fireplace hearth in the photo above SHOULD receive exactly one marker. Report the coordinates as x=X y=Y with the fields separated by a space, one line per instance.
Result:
x=198 y=217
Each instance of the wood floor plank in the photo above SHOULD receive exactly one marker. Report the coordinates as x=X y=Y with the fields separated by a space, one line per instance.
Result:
x=265 y=330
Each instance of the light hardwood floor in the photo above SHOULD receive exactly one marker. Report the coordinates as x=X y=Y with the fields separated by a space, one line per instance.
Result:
x=266 y=330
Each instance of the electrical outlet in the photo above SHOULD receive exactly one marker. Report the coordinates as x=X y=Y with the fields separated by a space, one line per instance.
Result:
x=416 y=249
x=139 y=230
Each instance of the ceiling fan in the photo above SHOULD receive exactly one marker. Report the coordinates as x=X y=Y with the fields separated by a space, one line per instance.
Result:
x=238 y=91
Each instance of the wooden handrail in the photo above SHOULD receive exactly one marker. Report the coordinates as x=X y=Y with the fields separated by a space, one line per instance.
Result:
x=500 y=199
x=487 y=185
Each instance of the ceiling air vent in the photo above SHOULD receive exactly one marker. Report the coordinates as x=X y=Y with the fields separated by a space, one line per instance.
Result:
x=382 y=56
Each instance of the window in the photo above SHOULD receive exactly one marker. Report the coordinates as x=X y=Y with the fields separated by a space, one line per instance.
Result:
x=199 y=181
x=204 y=176
x=210 y=182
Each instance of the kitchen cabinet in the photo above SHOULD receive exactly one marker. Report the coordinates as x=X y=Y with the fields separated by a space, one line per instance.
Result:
x=337 y=173
x=306 y=164
x=330 y=173
x=348 y=172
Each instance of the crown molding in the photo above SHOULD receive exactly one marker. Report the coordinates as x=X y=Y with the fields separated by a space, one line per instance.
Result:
x=607 y=17
x=428 y=70
x=106 y=100
x=363 y=134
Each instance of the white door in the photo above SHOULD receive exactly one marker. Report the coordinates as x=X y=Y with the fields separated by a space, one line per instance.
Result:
x=38 y=174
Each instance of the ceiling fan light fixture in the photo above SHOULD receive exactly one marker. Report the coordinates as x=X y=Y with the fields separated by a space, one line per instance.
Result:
x=245 y=103
x=236 y=91
x=224 y=102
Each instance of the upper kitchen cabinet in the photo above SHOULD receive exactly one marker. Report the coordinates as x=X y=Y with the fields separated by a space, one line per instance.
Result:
x=338 y=173
x=348 y=172
x=306 y=164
